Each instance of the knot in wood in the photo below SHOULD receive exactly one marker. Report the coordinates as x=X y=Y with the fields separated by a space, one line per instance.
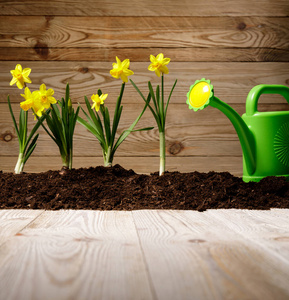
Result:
x=242 y=26
x=175 y=148
x=83 y=70
x=6 y=136
x=42 y=50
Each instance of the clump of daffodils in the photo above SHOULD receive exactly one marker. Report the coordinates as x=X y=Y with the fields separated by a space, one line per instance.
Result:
x=159 y=109
x=101 y=127
x=38 y=102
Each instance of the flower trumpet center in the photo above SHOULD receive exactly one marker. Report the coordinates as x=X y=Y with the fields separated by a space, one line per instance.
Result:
x=157 y=65
x=18 y=75
x=43 y=99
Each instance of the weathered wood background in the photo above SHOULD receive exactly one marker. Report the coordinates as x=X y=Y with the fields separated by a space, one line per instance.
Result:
x=236 y=44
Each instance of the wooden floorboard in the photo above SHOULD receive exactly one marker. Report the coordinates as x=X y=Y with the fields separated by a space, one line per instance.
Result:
x=146 y=254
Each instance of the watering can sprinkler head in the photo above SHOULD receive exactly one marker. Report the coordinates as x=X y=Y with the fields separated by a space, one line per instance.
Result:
x=263 y=136
x=200 y=94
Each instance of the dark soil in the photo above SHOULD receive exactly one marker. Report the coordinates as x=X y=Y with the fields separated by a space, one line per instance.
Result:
x=116 y=188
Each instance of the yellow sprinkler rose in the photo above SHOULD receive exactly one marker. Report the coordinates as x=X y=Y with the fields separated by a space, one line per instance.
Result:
x=20 y=77
x=159 y=64
x=97 y=101
x=120 y=69
x=45 y=96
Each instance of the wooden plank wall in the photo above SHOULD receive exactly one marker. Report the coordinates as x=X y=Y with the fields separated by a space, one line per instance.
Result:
x=236 y=44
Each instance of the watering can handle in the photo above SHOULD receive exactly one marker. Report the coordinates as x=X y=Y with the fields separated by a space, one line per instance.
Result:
x=258 y=90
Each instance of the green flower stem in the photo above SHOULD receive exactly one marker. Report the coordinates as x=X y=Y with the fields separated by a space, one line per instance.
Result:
x=20 y=164
x=66 y=161
x=107 y=157
x=162 y=152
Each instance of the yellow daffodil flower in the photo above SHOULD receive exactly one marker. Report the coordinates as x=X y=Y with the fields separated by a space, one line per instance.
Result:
x=45 y=96
x=32 y=100
x=29 y=99
x=159 y=64
x=97 y=101
x=20 y=77
x=120 y=69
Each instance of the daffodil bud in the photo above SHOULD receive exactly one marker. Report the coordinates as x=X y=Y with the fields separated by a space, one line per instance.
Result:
x=69 y=105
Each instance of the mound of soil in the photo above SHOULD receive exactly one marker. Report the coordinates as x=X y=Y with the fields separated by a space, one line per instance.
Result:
x=116 y=188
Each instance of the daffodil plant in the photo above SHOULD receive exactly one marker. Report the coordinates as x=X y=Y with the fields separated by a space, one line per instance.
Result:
x=61 y=123
x=159 y=111
x=101 y=127
x=27 y=143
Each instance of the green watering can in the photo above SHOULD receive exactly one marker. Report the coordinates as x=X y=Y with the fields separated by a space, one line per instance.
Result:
x=264 y=136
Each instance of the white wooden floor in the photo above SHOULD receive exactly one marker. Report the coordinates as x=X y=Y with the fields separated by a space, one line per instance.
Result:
x=162 y=254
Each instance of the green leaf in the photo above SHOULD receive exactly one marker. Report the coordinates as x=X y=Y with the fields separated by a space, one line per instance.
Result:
x=117 y=113
x=90 y=128
x=30 y=148
x=155 y=114
x=161 y=106
x=94 y=119
x=125 y=134
x=106 y=121
x=13 y=118
x=22 y=126
x=170 y=97
x=34 y=129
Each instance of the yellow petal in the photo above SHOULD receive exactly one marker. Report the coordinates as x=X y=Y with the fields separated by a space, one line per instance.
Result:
x=125 y=64
x=20 y=84
x=152 y=58
x=164 y=69
x=13 y=81
x=151 y=67
x=25 y=105
x=114 y=73
x=26 y=72
x=50 y=92
x=51 y=100
x=42 y=88
x=166 y=61
x=158 y=73
x=97 y=106
x=103 y=97
x=160 y=57
x=123 y=77
x=118 y=61
x=128 y=72
x=19 y=68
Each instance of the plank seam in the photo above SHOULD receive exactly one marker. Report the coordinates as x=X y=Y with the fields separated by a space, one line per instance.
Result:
x=154 y=295
x=1 y=244
x=274 y=253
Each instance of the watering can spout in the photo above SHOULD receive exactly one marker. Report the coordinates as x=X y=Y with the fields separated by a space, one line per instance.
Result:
x=246 y=137
x=201 y=94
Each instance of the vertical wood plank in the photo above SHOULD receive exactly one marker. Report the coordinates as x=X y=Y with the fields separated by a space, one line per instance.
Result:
x=12 y=221
x=269 y=230
x=192 y=256
x=75 y=255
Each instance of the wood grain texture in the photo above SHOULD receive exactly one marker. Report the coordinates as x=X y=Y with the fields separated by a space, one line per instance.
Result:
x=146 y=254
x=82 y=255
x=200 y=258
x=13 y=221
x=147 y=8
x=263 y=227
x=193 y=54
x=143 y=32
x=232 y=80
